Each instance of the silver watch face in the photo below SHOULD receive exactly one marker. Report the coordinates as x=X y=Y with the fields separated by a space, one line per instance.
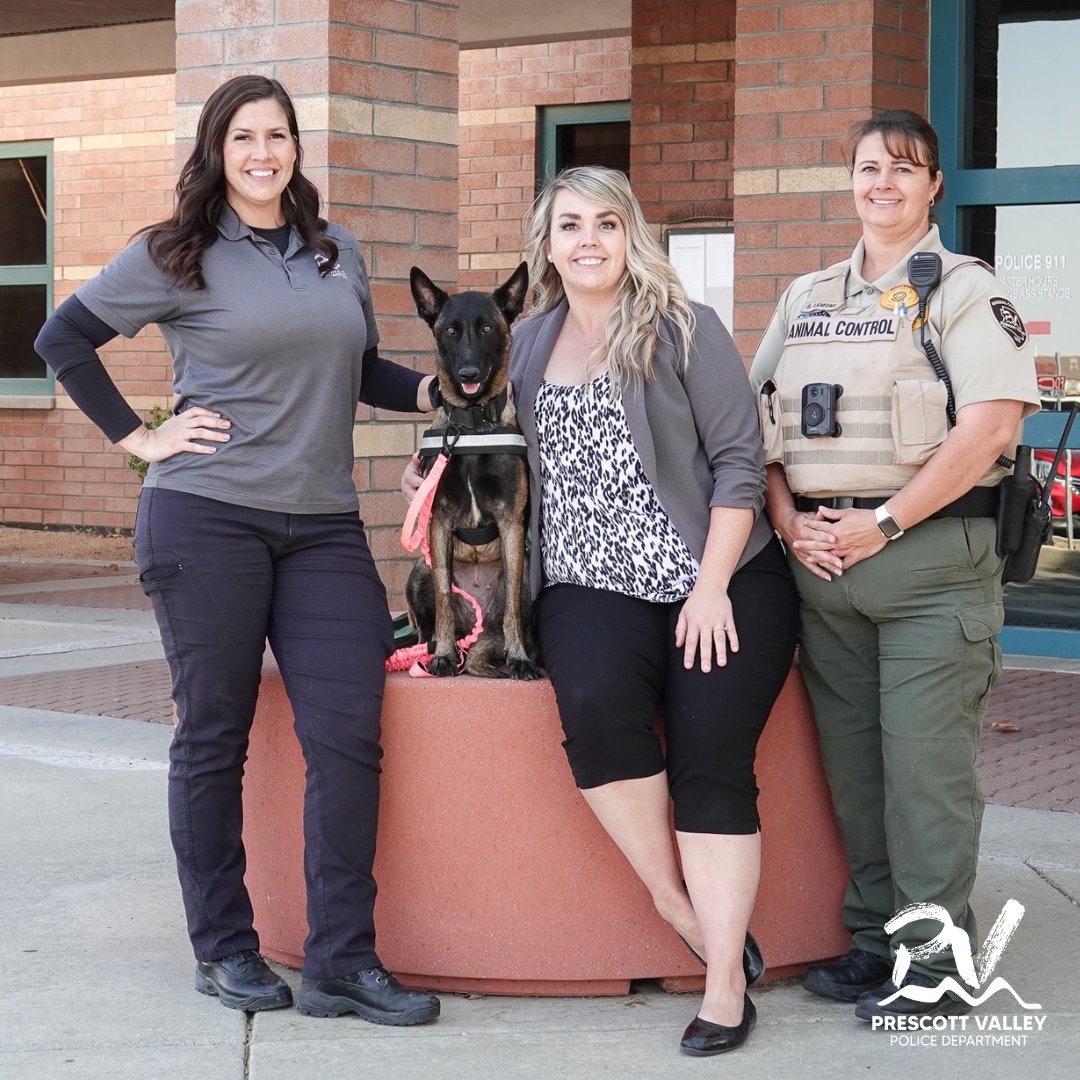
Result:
x=889 y=527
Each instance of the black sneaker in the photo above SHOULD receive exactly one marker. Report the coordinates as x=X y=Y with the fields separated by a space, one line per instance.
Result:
x=373 y=994
x=243 y=981
x=870 y=1004
x=849 y=977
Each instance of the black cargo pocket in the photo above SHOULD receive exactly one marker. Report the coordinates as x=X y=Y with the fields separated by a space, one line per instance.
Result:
x=982 y=654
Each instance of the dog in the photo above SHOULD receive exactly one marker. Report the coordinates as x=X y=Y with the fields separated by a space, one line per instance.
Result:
x=476 y=534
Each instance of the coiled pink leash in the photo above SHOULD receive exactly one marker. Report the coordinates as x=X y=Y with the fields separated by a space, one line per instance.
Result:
x=414 y=535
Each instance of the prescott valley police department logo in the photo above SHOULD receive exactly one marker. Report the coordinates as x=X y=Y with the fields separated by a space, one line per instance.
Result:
x=975 y=971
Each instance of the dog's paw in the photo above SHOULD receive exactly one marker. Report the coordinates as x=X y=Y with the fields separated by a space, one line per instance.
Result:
x=442 y=666
x=524 y=669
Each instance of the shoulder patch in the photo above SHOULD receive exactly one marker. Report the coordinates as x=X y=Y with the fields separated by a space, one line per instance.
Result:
x=1008 y=319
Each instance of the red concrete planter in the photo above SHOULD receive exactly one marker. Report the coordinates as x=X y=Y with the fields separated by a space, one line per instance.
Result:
x=493 y=874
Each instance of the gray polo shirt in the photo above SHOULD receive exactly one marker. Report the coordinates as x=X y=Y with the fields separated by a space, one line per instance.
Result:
x=269 y=344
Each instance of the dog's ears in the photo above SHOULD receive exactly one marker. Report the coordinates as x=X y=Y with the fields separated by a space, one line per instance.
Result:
x=430 y=299
x=510 y=295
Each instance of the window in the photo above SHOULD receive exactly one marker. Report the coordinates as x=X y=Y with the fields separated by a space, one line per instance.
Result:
x=1003 y=82
x=584 y=135
x=26 y=277
x=704 y=259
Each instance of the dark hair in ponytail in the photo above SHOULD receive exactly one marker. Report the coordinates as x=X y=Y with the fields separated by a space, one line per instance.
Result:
x=906 y=134
x=177 y=243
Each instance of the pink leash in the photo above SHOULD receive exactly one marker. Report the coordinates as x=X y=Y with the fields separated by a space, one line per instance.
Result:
x=413 y=536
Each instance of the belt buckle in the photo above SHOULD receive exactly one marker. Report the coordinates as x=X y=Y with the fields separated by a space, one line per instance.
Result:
x=842 y=502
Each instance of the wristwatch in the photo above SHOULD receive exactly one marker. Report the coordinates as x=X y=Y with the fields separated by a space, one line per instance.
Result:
x=434 y=392
x=889 y=526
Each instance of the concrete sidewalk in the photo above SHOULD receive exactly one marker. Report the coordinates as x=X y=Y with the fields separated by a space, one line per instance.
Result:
x=97 y=973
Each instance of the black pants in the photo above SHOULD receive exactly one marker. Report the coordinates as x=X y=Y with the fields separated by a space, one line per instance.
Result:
x=223 y=580
x=613 y=662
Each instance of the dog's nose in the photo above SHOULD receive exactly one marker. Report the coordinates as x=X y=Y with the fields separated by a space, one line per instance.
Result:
x=468 y=374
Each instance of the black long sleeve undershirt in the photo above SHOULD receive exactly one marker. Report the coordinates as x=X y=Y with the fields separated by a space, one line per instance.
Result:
x=69 y=341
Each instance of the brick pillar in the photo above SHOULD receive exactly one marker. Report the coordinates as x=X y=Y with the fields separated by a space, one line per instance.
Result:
x=682 y=109
x=805 y=72
x=375 y=87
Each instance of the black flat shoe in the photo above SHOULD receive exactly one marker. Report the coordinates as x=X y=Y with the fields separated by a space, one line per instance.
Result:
x=850 y=977
x=243 y=981
x=704 y=1038
x=753 y=962
x=373 y=994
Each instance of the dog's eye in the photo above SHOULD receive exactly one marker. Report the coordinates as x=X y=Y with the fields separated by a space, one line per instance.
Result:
x=450 y=331
x=486 y=328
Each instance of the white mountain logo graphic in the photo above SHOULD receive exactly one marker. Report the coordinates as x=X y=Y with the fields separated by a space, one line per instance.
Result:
x=973 y=970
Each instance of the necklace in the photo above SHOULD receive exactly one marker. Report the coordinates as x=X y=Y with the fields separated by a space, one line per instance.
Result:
x=588 y=345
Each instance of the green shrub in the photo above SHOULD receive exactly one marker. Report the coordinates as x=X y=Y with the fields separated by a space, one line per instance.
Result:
x=158 y=416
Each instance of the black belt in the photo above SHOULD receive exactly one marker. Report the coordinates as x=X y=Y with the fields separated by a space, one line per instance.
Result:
x=978 y=502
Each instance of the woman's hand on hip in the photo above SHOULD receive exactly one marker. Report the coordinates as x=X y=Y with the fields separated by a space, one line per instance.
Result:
x=707 y=625
x=178 y=435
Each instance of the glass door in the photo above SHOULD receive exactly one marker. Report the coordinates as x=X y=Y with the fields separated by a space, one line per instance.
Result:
x=1003 y=86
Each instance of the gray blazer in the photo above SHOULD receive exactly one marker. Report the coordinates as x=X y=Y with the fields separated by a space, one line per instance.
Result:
x=696 y=432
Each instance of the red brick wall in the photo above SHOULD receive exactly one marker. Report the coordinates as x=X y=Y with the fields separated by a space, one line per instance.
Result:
x=682 y=109
x=113 y=174
x=806 y=71
x=502 y=91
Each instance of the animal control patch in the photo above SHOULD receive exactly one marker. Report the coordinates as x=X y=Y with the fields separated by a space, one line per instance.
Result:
x=1009 y=319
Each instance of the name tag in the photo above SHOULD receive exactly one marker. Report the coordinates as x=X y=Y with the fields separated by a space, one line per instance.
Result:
x=822 y=326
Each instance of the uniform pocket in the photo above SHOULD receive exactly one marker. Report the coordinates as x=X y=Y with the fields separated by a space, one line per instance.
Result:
x=919 y=421
x=771 y=421
x=982 y=654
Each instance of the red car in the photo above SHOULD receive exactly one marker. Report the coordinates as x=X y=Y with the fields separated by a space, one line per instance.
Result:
x=1043 y=459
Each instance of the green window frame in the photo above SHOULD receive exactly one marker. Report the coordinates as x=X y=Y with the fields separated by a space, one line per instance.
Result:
x=554 y=117
x=34 y=274
x=952 y=32
x=951 y=64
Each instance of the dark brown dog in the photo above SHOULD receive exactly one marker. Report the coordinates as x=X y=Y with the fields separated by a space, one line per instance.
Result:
x=477 y=529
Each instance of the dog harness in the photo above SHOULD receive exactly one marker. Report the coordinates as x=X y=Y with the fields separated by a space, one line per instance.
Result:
x=474 y=429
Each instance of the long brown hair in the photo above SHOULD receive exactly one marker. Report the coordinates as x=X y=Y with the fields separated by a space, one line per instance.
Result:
x=177 y=244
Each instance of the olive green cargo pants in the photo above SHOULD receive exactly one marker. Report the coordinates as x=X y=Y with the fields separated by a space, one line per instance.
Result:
x=899 y=655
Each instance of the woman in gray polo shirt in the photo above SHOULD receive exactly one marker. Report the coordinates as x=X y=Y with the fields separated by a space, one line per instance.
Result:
x=248 y=530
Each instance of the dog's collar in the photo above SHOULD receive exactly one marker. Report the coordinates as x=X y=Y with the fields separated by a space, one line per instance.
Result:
x=477 y=537
x=471 y=417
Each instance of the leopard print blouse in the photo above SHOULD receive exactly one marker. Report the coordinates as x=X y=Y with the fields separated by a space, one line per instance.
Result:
x=601 y=524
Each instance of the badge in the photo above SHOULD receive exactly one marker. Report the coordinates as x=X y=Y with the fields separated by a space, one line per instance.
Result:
x=903 y=296
x=1009 y=320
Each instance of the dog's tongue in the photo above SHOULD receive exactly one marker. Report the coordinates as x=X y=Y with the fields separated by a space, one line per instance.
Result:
x=470 y=388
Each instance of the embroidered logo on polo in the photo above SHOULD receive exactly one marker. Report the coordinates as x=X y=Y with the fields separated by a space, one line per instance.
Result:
x=1009 y=319
x=843 y=328
x=335 y=270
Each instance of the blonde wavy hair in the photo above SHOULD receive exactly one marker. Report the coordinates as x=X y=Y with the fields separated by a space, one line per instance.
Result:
x=649 y=300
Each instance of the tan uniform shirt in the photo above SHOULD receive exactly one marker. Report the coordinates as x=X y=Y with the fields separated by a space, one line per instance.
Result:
x=974 y=326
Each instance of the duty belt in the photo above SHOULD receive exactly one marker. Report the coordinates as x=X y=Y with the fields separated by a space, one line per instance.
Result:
x=978 y=502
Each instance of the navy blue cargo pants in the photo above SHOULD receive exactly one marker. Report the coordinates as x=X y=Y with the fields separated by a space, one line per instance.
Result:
x=223 y=580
